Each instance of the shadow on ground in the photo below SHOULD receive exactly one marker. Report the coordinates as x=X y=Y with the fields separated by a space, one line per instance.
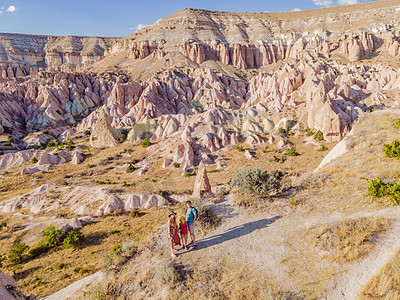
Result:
x=236 y=232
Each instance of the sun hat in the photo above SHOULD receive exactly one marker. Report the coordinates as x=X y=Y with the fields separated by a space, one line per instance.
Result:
x=171 y=213
x=181 y=218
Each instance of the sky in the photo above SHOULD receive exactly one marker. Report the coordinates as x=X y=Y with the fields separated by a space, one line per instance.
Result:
x=123 y=17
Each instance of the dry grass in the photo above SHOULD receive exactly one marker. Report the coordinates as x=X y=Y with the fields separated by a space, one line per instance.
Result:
x=90 y=257
x=150 y=275
x=349 y=240
x=386 y=285
x=317 y=255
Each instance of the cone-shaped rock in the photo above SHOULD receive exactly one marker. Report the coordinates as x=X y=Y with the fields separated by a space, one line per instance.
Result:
x=103 y=135
x=202 y=184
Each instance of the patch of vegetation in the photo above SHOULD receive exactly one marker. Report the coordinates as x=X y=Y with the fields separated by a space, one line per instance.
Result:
x=10 y=139
x=38 y=250
x=60 y=266
x=397 y=123
x=114 y=232
x=106 y=182
x=74 y=238
x=281 y=159
x=34 y=160
x=76 y=269
x=309 y=132
x=214 y=171
x=323 y=148
x=17 y=253
x=176 y=165
x=2 y=225
x=87 y=132
x=146 y=143
x=281 y=130
x=130 y=168
x=135 y=213
x=379 y=189
x=122 y=138
x=240 y=148
x=266 y=149
x=292 y=153
x=65 y=275
x=116 y=250
x=2 y=259
x=189 y=174
x=319 y=136
x=392 y=150
x=52 y=236
x=257 y=182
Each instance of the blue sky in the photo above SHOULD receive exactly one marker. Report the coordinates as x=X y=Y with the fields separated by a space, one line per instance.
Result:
x=123 y=17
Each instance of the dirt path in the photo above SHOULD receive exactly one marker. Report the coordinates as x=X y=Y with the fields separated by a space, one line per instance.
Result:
x=258 y=240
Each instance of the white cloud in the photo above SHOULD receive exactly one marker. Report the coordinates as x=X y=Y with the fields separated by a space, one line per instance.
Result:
x=138 y=27
x=11 y=8
x=323 y=2
x=296 y=9
x=347 y=2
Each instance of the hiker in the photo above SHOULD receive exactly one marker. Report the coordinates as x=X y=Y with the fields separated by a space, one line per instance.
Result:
x=173 y=232
x=191 y=217
x=183 y=230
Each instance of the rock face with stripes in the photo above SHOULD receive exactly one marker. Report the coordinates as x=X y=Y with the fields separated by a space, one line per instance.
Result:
x=202 y=185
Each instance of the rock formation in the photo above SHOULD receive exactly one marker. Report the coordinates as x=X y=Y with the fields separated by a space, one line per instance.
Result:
x=202 y=185
x=9 y=289
x=103 y=135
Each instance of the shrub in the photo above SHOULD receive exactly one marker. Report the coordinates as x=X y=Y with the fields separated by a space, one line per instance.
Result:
x=146 y=143
x=2 y=259
x=16 y=268
x=51 y=236
x=256 y=181
x=70 y=145
x=392 y=150
x=17 y=253
x=51 y=144
x=113 y=232
x=34 y=160
x=176 y=165
x=292 y=153
x=189 y=174
x=76 y=269
x=87 y=132
x=319 y=136
x=281 y=160
x=240 y=148
x=122 y=138
x=398 y=123
x=134 y=213
x=100 y=182
x=309 y=132
x=281 y=130
x=265 y=150
x=74 y=238
x=37 y=250
x=3 y=224
x=323 y=148
x=116 y=250
x=65 y=275
x=60 y=266
x=130 y=169
x=379 y=189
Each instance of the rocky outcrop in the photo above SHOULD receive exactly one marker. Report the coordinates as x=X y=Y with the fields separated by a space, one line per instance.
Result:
x=9 y=289
x=202 y=185
x=103 y=135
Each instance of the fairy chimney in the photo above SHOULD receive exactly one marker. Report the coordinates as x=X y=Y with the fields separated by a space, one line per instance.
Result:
x=202 y=184
x=103 y=135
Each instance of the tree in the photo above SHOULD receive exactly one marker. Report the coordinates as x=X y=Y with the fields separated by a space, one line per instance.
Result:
x=17 y=253
x=51 y=236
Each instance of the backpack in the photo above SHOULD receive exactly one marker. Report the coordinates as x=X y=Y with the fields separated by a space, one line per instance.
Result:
x=196 y=211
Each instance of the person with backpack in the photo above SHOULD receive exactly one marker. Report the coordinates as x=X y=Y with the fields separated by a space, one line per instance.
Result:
x=183 y=230
x=191 y=217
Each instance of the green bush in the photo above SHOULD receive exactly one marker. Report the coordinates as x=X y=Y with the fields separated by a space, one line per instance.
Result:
x=309 y=132
x=134 y=213
x=146 y=143
x=16 y=268
x=112 y=232
x=65 y=275
x=106 y=182
x=87 y=132
x=37 y=250
x=292 y=153
x=70 y=145
x=378 y=189
x=130 y=169
x=398 y=123
x=281 y=130
x=189 y=174
x=76 y=269
x=122 y=138
x=34 y=160
x=116 y=250
x=281 y=159
x=392 y=150
x=265 y=150
x=319 y=136
x=2 y=225
x=74 y=238
x=60 y=266
x=51 y=236
x=39 y=283
x=176 y=165
x=17 y=253
x=240 y=148
x=323 y=148
x=256 y=181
